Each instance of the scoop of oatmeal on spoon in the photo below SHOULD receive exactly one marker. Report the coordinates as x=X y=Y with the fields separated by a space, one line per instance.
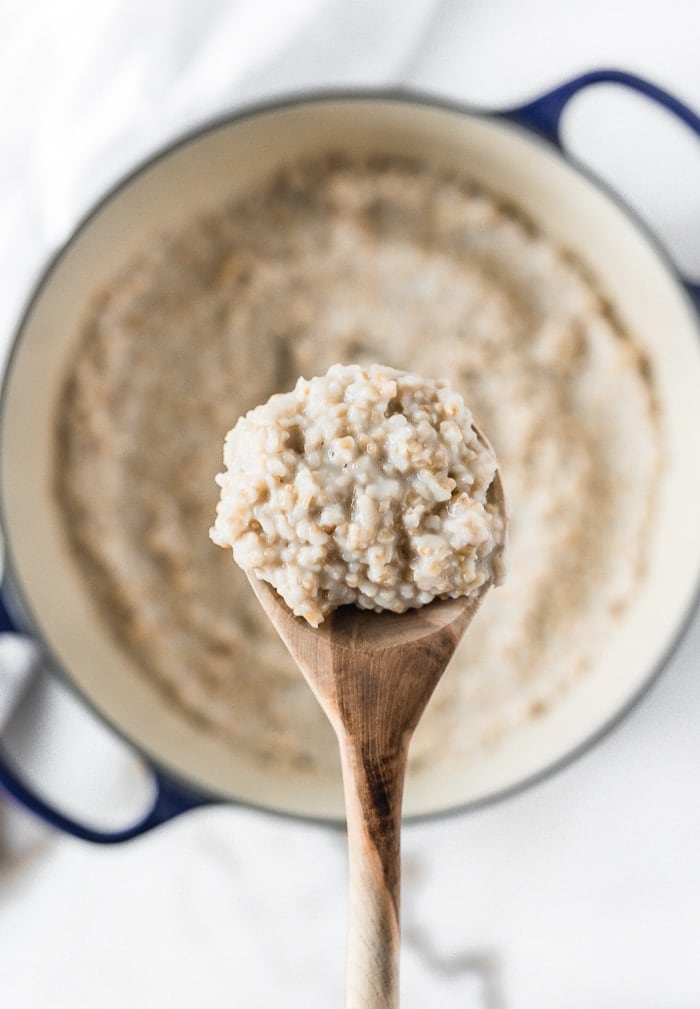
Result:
x=367 y=486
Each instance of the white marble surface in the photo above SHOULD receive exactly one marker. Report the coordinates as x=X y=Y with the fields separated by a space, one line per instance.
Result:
x=581 y=893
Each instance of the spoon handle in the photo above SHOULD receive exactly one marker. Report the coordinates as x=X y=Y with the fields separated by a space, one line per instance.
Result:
x=373 y=785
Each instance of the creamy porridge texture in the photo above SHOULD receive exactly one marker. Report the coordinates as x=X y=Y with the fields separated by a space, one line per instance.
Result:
x=355 y=262
x=365 y=486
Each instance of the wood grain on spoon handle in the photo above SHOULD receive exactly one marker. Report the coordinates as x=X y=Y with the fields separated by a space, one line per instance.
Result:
x=373 y=809
x=374 y=707
x=374 y=719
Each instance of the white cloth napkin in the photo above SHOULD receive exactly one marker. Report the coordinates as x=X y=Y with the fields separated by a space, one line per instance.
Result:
x=582 y=893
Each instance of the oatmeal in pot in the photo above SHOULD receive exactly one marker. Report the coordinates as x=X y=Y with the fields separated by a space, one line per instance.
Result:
x=355 y=261
x=364 y=486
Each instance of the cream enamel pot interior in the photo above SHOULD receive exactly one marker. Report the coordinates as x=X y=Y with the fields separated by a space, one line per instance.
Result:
x=516 y=153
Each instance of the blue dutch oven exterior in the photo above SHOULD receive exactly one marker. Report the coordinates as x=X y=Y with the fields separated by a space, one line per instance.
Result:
x=542 y=117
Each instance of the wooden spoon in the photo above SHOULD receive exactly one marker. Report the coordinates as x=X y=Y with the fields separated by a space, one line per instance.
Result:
x=373 y=674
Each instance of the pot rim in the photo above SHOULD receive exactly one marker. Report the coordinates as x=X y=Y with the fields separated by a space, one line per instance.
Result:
x=11 y=588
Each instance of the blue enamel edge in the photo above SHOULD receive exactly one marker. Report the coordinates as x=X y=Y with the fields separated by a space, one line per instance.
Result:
x=544 y=114
x=170 y=798
x=694 y=292
x=7 y=622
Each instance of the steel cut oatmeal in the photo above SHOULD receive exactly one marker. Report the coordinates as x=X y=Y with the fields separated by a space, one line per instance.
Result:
x=355 y=261
x=367 y=486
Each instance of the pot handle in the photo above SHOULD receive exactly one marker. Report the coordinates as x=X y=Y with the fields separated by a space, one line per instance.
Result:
x=170 y=798
x=543 y=114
